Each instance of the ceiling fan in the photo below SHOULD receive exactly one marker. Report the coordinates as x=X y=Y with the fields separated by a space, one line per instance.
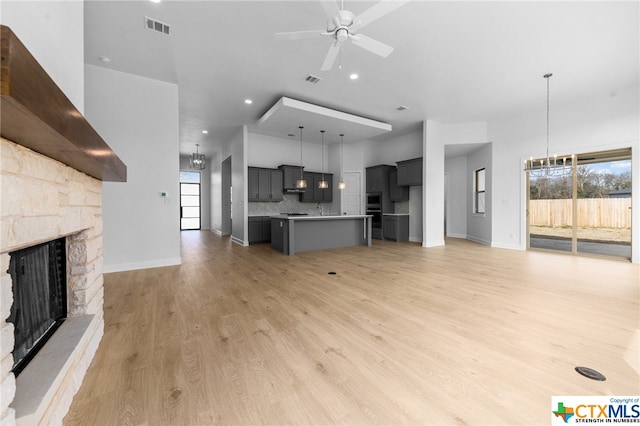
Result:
x=344 y=25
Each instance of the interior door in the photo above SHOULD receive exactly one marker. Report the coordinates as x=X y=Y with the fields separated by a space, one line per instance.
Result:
x=189 y=200
x=352 y=194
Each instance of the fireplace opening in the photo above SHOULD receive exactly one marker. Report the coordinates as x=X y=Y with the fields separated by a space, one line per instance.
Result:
x=39 y=280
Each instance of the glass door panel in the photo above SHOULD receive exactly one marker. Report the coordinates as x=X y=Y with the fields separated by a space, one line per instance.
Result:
x=551 y=212
x=604 y=205
x=189 y=204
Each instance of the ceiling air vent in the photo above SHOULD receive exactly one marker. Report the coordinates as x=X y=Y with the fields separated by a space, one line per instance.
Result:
x=155 y=25
x=312 y=79
x=402 y=108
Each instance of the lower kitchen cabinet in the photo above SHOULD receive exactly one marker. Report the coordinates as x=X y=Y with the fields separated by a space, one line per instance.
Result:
x=395 y=227
x=259 y=229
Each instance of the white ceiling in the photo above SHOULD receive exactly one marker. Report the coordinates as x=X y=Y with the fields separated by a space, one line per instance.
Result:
x=453 y=61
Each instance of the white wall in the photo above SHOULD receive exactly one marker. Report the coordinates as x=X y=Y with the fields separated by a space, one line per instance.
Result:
x=405 y=147
x=236 y=147
x=595 y=124
x=435 y=137
x=456 y=196
x=479 y=224
x=53 y=31
x=205 y=190
x=215 y=175
x=270 y=152
x=138 y=118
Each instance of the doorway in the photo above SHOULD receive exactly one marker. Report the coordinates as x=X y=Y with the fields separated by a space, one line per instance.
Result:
x=226 y=225
x=189 y=201
x=587 y=210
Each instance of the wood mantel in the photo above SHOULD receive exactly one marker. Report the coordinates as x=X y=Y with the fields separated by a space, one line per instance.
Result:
x=35 y=113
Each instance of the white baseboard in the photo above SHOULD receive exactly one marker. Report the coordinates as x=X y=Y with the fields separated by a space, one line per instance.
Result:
x=508 y=246
x=479 y=240
x=239 y=241
x=159 y=263
x=463 y=236
x=219 y=232
x=433 y=243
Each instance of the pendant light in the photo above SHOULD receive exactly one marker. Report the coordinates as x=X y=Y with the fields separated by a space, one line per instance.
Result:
x=323 y=184
x=341 y=184
x=197 y=161
x=548 y=167
x=301 y=183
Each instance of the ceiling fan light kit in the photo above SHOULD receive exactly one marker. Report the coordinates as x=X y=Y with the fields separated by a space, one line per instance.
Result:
x=343 y=26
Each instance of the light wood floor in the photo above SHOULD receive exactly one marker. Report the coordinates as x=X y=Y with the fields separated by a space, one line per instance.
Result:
x=462 y=334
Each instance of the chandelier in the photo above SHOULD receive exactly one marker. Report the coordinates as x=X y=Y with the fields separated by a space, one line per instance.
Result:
x=323 y=184
x=301 y=183
x=550 y=166
x=197 y=160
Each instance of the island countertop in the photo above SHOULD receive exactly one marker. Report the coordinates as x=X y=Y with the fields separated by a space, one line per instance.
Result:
x=323 y=217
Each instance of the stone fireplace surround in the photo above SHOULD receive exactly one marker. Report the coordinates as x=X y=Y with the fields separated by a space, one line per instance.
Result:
x=41 y=200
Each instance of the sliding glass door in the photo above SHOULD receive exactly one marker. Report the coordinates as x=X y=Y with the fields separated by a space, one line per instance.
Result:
x=586 y=211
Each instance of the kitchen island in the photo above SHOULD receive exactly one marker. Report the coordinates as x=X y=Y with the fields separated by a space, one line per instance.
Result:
x=296 y=234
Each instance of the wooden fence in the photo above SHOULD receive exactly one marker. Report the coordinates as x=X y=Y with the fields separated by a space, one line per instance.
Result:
x=592 y=212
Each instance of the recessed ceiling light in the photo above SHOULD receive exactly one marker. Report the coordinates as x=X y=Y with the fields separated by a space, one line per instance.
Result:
x=155 y=1
x=204 y=132
x=353 y=76
x=248 y=101
x=105 y=59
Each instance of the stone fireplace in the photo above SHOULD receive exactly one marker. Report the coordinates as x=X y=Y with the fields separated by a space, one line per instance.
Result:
x=42 y=199
x=52 y=165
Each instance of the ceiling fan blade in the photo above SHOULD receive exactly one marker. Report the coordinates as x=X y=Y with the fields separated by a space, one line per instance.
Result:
x=377 y=11
x=330 y=8
x=296 y=35
x=332 y=54
x=372 y=45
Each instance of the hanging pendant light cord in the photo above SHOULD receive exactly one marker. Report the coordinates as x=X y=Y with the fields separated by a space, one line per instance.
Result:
x=547 y=76
x=301 y=175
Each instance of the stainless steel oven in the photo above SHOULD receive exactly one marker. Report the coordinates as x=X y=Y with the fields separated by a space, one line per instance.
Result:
x=374 y=208
x=374 y=201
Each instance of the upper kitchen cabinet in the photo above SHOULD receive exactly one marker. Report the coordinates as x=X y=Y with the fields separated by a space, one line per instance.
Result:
x=378 y=178
x=290 y=174
x=410 y=172
x=315 y=194
x=265 y=184
x=396 y=192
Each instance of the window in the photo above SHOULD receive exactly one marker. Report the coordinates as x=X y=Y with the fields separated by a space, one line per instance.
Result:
x=479 y=191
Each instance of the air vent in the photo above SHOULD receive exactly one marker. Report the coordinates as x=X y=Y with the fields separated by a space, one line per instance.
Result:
x=155 y=25
x=402 y=108
x=312 y=79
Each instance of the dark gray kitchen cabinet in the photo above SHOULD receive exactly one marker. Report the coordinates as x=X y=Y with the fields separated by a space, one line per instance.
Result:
x=264 y=184
x=377 y=178
x=410 y=172
x=313 y=194
x=259 y=229
x=290 y=175
x=396 y=192
x=395 y=227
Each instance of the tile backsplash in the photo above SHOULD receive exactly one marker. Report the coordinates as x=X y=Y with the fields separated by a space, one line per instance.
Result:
x=290 y=204
x=402 y=207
